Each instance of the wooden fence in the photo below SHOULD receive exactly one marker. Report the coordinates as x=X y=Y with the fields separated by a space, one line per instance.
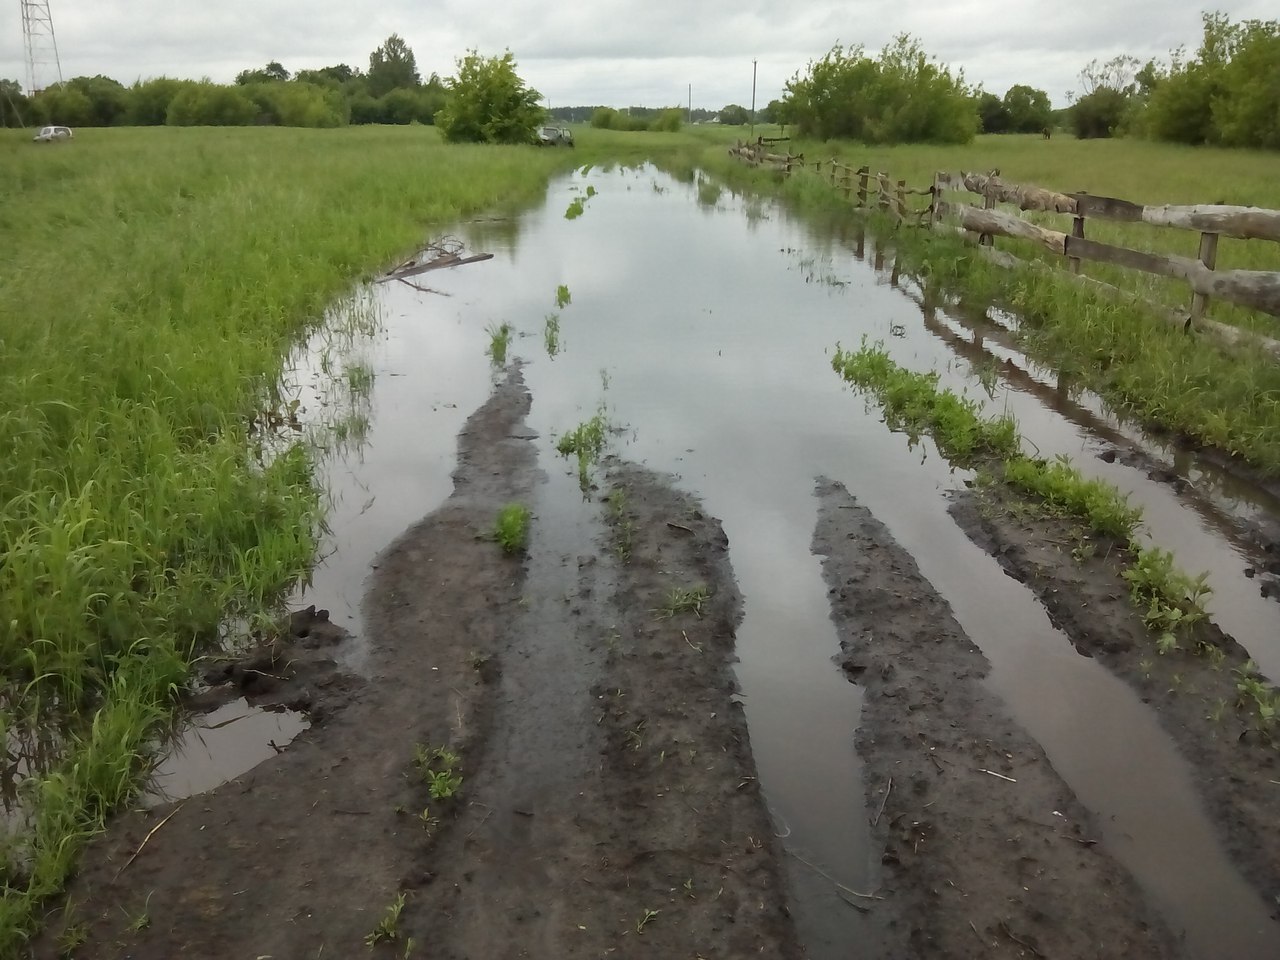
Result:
x=1253 y=289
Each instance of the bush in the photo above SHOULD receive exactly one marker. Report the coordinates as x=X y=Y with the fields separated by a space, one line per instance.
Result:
x=1099 y=114
x=487 y=102
x=904 y=97
x=149 y=101
x=209 y=104
x=606 y=118
x=668 y=121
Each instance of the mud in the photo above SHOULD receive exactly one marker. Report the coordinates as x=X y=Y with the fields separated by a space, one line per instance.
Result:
x=1193 y=693
x=985 y=851
x=635 y=824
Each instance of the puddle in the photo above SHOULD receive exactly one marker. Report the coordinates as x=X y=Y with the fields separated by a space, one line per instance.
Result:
x=706 y=328
x=220 y=746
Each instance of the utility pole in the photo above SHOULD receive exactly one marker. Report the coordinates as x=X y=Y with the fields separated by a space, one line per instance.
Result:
x=753 y=99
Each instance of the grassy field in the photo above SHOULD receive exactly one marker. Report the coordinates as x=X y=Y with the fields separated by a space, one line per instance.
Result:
x=151 y=283
x=1144 y=367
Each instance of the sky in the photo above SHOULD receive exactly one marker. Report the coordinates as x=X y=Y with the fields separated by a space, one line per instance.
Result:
x=613 y=52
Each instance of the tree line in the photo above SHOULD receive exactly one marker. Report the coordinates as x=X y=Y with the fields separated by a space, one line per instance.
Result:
x=390 y=91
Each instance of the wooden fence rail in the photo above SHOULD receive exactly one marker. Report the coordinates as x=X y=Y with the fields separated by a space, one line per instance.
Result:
x=1254 y=289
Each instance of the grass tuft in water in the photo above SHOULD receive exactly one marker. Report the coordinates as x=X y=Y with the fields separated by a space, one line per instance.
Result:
x=551 y=334
x=511 y=528
x=586 y=442
x=499 y=340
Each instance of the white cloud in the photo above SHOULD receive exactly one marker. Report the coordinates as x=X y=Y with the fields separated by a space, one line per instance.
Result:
x=617 y=52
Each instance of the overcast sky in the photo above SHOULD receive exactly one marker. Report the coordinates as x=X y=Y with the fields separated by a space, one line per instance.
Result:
x=613 y=52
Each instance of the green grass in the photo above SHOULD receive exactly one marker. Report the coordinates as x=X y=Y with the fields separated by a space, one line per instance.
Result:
x=551 y=334
x=511 y=528
x=152 y=283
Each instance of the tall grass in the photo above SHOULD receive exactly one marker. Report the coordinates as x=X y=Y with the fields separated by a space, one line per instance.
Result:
x=152 y=283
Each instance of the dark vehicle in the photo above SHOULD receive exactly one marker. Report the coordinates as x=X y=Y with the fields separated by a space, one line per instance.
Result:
x=555 y=137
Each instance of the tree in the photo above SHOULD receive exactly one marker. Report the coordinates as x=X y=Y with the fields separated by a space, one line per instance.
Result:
x=149 y=101
x=392 y=66
x=273 y=72
x=210 y=104
x=905 y=96
x=488 y=102
x=64 y=104
x=777 y=111
x=734 y=115
x=15 y=109
x=1028 y=109
x=108 y=100
x=992 y=113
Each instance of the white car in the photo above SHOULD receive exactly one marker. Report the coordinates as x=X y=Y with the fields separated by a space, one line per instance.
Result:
x=53 y=134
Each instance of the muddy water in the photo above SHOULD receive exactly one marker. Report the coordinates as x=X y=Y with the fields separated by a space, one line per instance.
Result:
x=703 y=329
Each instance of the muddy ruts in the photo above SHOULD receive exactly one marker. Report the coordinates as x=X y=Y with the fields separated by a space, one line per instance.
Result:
x=1193 y=688
x=984 y=849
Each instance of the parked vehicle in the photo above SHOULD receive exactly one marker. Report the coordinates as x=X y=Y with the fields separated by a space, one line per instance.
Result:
x=53 y=134
x=555 y=137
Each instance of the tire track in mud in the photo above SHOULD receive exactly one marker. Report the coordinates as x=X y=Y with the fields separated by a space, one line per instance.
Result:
x=608 y=802
x=986 y=851
x=1232 y=765
x=617 y=812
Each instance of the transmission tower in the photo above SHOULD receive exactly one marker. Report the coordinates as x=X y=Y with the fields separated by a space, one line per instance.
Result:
x=42 y=46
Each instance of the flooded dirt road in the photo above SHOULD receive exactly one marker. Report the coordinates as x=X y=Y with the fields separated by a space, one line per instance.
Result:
x=698 y=326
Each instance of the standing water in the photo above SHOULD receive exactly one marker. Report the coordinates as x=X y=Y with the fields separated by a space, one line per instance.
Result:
x=702 y=324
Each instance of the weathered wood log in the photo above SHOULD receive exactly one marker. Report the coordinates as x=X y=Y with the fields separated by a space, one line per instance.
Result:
x=1259 y=289
x=1243 y=223
x=1026 y=196
x=1006 y=225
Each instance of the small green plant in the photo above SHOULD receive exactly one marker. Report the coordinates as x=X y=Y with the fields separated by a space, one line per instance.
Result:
x=142 y=920
x=428 y=820
x=623 y=527
x=648 y=917
x=499 y=340
x=388 y=927
x=511 y=528
x=443 y=784
x=551 y=334
x=360 y=378
x=586 y=442
x=73 y=937
x=591 y=190
x=576 y=208
x=681 y=600
x=438 y=769
x=562 y=296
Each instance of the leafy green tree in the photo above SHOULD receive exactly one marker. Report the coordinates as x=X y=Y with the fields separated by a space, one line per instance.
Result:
x=488 y=102
x=903 y=97
x=392 y=66
x=992 y=113
x=211 y=104
x=273 y=72
x=1027 y=109
x=15 y=108
x=777 y=111
x=1099 y=114
x=734 y=115
x=149 y=101
x=108 y=100
x=64 y=104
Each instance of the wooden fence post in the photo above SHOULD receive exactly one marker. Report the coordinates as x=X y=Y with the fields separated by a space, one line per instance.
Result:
x=1209 y=257
x=988 y=203
x=935 y=202
x=863 y=172
x=1077 y=231
x=902 y=201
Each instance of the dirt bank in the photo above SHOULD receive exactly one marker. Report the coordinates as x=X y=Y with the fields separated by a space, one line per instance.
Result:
x=607 y=803
x=986 y=851
x=1193 y=689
